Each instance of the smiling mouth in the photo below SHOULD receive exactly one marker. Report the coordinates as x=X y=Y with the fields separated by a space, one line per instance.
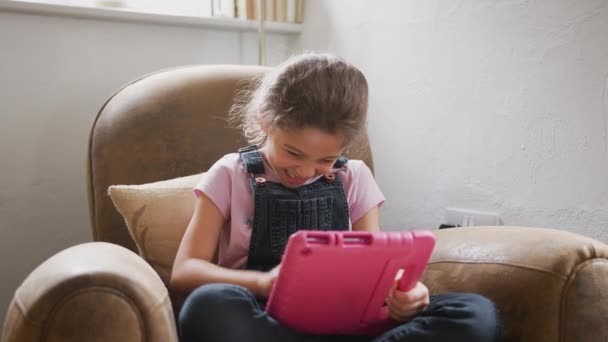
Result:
x=294 y=180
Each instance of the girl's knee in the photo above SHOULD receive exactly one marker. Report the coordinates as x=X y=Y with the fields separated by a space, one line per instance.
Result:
x=208 y=301
x=218 y=292
x=485 y=322
x=479 y=302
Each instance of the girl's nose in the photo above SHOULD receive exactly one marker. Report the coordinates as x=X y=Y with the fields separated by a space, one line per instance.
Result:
x=306 y=172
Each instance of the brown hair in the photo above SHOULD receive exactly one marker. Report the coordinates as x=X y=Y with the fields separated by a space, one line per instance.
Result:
x=316 y=90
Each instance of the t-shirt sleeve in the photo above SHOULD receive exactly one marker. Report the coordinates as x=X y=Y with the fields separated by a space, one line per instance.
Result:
x=216 y=183
x=364 y=193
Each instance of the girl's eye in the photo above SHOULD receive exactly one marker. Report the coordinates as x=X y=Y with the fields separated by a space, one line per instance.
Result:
x=293 y=153
x=331 y=161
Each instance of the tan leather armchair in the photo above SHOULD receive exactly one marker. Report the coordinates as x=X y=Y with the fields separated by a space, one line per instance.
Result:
x=549 y=285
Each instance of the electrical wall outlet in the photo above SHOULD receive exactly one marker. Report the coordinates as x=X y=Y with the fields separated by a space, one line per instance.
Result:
x=466 y=217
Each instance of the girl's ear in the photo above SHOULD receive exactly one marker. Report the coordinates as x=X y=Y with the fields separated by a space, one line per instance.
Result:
x=262 y=122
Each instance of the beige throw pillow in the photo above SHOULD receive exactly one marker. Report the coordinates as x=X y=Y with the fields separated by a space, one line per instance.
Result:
x=157 y=215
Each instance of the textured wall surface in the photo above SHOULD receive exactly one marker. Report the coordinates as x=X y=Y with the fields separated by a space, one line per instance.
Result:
x=497 y=106
x=55 y=74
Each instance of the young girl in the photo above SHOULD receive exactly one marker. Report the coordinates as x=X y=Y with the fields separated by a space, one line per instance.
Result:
x=299 y=120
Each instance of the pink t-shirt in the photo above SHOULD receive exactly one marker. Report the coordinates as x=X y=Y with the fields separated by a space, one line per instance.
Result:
x=227 y=184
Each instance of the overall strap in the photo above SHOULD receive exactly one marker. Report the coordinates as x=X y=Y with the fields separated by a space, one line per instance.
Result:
x=341 y=161
x=252 y=159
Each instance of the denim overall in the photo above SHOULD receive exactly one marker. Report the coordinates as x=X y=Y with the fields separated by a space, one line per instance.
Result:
x=230 y=313
x=280 y=211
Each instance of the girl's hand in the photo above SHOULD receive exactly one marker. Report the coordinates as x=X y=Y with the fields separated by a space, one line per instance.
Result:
x=403 y=306
x=266 y=280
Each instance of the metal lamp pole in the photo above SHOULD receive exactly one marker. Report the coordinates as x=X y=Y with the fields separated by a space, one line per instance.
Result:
x=261 y=36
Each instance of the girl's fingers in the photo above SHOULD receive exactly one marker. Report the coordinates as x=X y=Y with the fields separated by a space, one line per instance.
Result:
x=413 y=295
x=408 y=310
x=393 y=288
x=403 y=316
x=400 y=318
x=408 y=307
x=403 y=305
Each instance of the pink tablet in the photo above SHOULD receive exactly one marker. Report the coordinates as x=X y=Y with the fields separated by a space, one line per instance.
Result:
x=336 y=282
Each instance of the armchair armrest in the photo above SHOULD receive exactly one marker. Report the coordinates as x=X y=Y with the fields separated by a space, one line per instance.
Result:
x=548 y=285
x=91 y=292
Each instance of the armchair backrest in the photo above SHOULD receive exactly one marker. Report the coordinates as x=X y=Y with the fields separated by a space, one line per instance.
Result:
x=164 y=125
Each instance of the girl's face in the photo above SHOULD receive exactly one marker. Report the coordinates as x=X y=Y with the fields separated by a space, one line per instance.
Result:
x=301 y=154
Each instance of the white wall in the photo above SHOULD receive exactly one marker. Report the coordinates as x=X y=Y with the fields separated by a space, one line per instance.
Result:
x=498 y=106
x=55 y=73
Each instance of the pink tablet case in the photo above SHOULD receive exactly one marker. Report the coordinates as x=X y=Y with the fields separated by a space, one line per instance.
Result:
x=336 y=282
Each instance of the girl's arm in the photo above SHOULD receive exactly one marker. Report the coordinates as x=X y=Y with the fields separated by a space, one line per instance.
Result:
x=370 y=221
x=194 y=262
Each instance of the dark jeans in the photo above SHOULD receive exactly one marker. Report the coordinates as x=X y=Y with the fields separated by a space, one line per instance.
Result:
x=226 y=312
